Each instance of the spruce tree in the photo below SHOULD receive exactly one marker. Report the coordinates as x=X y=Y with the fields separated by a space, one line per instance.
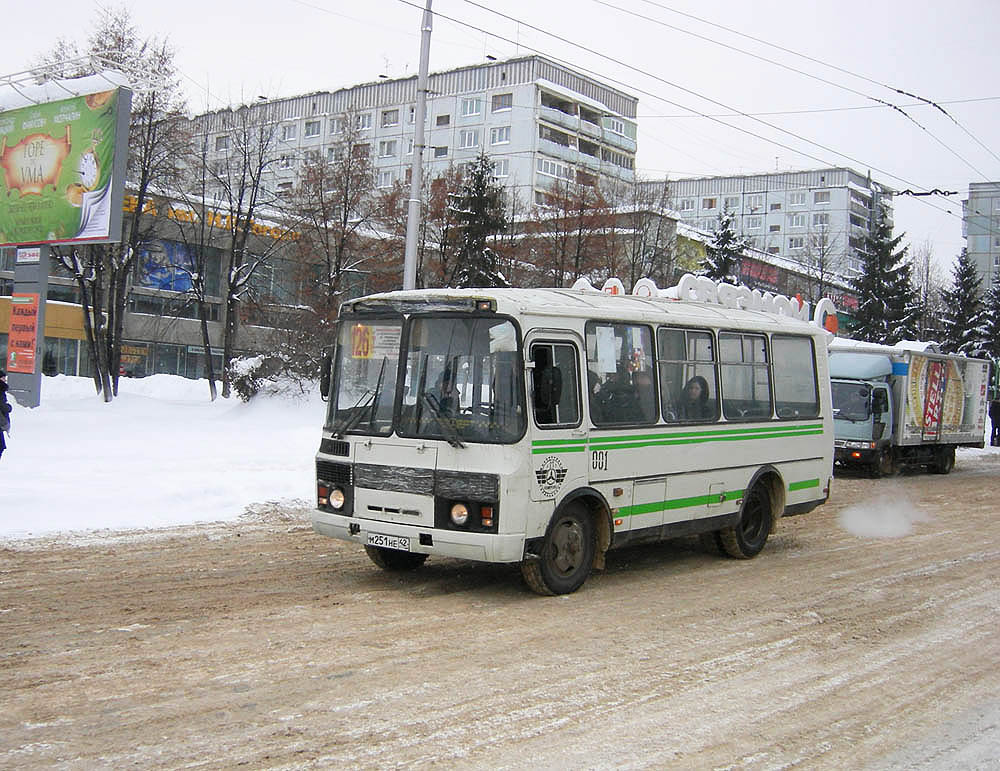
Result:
x=962 y=314
x=480 y=210
x=888 y=305
x=725 y=252
x=988 y=329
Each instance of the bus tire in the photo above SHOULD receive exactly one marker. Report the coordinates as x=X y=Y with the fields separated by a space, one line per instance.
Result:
x=747 y=537
x=944 y=461
x=567 y=553
x=393 y=559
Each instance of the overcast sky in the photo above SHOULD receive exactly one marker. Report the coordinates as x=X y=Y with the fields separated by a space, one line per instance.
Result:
x=689 y=86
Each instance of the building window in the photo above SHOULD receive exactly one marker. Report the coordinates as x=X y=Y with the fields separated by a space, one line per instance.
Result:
x=284 y=188
x=289 y=132
x=363 y=121
x=774 y=229
x=502 y=102
x=709 y=203
x=731 y=202
x=775 y=207
x=472 y=106
x=797 y=221
x=312 y=128
x=821 y=196
x=221 y=143
x=336 y=125
x=500 y=135
x=616 y=126
x=553 y=169
x=755 y=223
x=443 y=120
x=468 y=138
x=440 y=152
x=390 y=118
x=409 y=146
x=821 y=220
x=386 y=178
x=797 y=199
x=687 y=204
x=387 y=148
x=755 y=201
x=501 y=168
x=332 y=155
x=796 y=242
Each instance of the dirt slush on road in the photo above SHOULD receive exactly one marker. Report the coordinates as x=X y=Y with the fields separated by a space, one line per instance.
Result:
x=864 y=636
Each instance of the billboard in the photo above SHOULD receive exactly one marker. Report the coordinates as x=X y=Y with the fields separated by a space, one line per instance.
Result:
x=62 y=169
x=165 y=265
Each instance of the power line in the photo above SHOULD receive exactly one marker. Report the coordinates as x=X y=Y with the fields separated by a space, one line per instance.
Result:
x=929 y=102
x=776 y=63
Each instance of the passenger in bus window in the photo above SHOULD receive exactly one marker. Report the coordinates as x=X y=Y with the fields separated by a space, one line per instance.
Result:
x=444 y=392
x=646 y=394
x=547 y=386
x=694 y=401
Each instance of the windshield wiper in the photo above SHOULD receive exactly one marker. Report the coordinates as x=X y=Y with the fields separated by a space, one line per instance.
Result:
x=447 y=421
x=368 y=408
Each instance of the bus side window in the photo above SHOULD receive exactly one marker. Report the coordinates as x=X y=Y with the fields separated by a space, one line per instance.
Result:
x=555 y=393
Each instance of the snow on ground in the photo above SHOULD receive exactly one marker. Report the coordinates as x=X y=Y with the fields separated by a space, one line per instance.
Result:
x=160 y=454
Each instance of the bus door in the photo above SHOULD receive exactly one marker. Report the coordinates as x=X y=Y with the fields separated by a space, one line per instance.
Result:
x=558 y=433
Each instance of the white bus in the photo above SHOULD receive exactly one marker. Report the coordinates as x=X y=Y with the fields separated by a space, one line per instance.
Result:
x=546 y=426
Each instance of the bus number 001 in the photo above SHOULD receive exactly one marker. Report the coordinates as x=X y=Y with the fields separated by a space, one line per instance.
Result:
x=599 y=460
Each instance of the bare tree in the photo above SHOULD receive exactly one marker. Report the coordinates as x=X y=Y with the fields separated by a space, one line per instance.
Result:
x=641 y=233
x=929 y=282
x=567 y=231
x=823 y=263
x=157 y=137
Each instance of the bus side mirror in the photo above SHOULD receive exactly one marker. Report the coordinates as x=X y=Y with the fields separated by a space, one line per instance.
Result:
x=324 y=374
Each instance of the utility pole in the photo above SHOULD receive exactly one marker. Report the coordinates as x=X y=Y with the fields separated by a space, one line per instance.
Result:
x=416 y=180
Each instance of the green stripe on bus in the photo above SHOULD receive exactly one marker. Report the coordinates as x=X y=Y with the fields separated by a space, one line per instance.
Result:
x=548 y=442
x=678 y=503
x=817 y=427
x=598 y=444
x=803 y=485
x=557 y=450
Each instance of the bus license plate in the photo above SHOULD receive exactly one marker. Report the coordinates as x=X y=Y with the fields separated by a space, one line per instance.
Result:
x=398 y=542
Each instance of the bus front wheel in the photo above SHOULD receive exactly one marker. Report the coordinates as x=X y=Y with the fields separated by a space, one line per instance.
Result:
x=747 y=537
x=567 y=553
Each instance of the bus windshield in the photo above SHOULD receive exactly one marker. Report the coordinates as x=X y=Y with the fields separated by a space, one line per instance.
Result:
x=462 y=380
x=365 y=376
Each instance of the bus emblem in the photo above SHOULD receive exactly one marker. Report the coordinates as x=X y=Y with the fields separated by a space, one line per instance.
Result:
x=550 y=476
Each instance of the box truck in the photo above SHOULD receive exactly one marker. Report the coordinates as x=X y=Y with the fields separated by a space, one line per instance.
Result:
x=904 y=405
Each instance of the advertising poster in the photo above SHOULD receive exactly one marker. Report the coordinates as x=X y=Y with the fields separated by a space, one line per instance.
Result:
x=61 y=169
x=23 y=334
x=166 y=265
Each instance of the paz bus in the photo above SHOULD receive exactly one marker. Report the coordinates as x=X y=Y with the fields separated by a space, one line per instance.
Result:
x=546 y=426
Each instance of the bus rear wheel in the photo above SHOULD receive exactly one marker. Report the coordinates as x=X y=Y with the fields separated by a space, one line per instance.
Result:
x=747 y=537
x=567 y=554
x=394 y=560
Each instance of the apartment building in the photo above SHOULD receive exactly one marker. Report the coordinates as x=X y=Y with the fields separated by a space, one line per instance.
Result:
x=540 y=122
x=816 y=218
x=981 y=229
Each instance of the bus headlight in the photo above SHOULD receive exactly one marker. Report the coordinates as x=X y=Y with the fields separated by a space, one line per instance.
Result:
x=337 y=498
x=459 y=514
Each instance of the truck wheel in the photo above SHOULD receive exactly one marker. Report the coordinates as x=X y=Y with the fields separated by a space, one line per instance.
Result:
x=944 y=462
x=393 y=559
x=747 y=537
x=885 y=464
x=567 y=554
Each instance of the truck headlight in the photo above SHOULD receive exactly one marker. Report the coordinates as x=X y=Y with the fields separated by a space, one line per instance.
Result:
x=337 y=498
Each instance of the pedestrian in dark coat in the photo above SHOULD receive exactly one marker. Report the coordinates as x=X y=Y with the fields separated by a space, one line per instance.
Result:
x=995 y=422
x=4 y=411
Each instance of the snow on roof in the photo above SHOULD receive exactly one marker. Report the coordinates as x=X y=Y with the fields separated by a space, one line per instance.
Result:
x=14 y=97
